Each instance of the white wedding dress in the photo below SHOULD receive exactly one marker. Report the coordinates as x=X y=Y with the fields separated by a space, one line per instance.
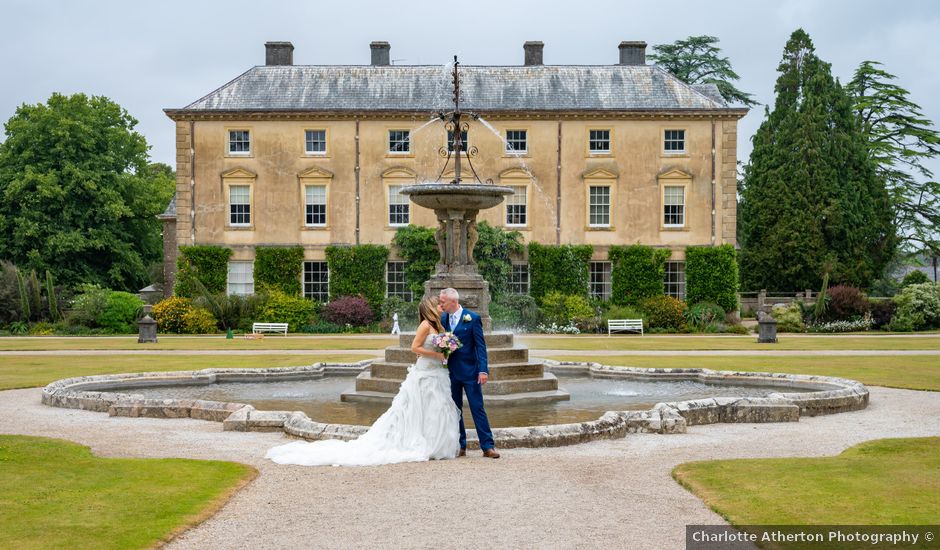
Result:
x=421 y=424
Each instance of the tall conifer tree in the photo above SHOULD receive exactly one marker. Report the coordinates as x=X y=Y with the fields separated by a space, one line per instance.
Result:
x=811 y=201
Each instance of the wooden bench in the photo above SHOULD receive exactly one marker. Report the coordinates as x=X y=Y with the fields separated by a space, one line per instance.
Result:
x=618 y=325
x=258 y=328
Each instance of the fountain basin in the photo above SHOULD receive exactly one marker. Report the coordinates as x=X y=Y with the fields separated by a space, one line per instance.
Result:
x=451 y=196
x=791 y=397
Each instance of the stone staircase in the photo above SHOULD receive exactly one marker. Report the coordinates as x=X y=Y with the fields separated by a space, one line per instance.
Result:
x=513 y=378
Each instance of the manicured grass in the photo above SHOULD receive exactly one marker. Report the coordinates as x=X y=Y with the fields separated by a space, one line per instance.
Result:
x=731 y=342
x=56 y=494
x=194 y=343
x=913 y=372
x=31 y=371
x=881 y=482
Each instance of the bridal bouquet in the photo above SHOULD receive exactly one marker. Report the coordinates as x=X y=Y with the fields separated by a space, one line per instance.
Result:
x=446 y=343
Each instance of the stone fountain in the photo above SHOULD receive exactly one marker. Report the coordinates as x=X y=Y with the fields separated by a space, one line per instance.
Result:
x=513 y=378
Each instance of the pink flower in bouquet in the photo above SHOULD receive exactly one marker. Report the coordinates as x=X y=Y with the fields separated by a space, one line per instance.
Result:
x=446 y=343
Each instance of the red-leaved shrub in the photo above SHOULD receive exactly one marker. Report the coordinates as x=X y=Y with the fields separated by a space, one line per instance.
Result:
x=348 y=310
x=845 y=303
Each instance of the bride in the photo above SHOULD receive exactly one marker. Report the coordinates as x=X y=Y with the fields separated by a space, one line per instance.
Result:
x=421 y=424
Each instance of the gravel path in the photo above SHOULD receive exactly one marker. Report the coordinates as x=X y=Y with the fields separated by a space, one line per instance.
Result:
x=539 y=352
x=607 y=494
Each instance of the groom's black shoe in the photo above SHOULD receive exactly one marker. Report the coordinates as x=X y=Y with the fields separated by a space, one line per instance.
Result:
x=463 y=452
x=490 y=453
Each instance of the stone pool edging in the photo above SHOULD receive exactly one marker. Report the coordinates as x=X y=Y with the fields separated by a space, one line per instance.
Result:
x=832 y=395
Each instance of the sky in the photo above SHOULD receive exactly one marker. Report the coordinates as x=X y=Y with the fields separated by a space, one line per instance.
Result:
x=148 y=56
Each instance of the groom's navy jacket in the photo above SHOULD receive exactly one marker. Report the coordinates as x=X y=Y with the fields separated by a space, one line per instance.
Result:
x=469 y=361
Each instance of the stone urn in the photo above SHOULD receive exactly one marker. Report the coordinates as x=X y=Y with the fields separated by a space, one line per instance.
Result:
x=456 y=207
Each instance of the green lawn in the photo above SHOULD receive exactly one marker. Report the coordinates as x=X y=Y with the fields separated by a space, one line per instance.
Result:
x=731 y=342
x=37 y=343
x=881 y=482
x=913 y=372
x=56 y=494
x=31 y=371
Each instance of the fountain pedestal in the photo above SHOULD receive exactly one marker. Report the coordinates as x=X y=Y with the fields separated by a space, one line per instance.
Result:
x=513 y=378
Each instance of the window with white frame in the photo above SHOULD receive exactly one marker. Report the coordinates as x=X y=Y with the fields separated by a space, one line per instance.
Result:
x=239 y=204
x=315 y=142
x=398 y=206
x=519 y=279
x=396 y=283
x=315 y=205
x=674 y=206
x=316 y=281
x=241 y=278
x=464 y=142
x=599 y=141
x=599 y=206
x=517 y=141
x=239 y=142
x=674 y=141
x=674 y=282
x=600 y=280
x=516 y=208
x=399 y=141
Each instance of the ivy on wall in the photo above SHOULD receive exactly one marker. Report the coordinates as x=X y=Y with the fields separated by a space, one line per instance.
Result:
x=711 y=275
x=358 y=270
x=562 y=268
x=637 y=273
x=279 y=268
x=492 y=254
x=416 y=245
x=207 y=264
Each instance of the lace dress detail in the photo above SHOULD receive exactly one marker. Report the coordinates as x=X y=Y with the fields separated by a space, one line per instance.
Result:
x=421 y=424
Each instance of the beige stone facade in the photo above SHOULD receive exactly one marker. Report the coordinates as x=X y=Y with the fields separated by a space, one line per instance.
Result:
x=557 y=173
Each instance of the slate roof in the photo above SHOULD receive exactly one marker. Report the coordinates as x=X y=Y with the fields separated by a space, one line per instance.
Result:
x=170 y=212
x=425 y=88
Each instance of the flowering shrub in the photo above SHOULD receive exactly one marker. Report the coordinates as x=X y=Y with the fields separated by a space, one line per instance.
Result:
x=844 y=303
x=296 y=311
x=665 y=312
x=556 y=329
x=198 y=321
x=843 y=326
x=348 y=310
x=918 y=308
x=169 y=314
x=789 y=318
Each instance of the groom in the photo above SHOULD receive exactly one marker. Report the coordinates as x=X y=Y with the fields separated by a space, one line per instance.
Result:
x=468 y=368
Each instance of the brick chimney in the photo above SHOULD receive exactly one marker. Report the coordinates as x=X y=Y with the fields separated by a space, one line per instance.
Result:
x=380 y=55
x=278 y=53
x=533 y=52
x=633 y=53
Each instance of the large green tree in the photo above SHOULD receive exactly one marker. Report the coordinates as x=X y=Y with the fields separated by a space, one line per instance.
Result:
x=812 y=201
x=698 y=60
x=900 y=139
x=78 y=197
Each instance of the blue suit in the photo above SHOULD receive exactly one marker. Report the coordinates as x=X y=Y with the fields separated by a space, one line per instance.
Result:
x=464 y=366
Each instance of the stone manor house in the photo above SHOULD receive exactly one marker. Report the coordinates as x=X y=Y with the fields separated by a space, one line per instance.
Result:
x=315 y=155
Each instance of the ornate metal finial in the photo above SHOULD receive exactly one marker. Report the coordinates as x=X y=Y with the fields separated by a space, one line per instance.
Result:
x=457 y=128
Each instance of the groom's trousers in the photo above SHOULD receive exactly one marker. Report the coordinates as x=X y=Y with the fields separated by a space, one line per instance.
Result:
x=475 y=400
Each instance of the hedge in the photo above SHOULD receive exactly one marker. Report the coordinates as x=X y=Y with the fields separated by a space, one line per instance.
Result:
x=279 y=268
x=711 y=275
x=206 y=263
x=562 y=268
x=637 y=273
x=356 y=270
x=416 y=245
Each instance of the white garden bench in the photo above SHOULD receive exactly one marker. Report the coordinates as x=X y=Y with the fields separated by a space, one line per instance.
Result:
x=258 y=328
x=618 y=325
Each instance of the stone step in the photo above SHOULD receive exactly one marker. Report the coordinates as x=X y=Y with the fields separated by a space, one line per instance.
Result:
x=493 y=339
x=547 y=382
x=550 y=396
x=505 y=371
x=494 y=355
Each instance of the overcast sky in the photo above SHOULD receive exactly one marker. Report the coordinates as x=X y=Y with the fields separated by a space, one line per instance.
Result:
x=154 y=55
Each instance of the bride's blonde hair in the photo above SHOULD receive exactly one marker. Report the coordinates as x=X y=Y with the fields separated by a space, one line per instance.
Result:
x=427 y=311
